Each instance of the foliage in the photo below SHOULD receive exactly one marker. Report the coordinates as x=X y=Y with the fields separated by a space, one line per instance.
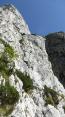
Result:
x=8 y=48
x=51 y=96
x=6 y=66
x=27 y=82
x=6 y=110
x=2 y=41
x=8 y=95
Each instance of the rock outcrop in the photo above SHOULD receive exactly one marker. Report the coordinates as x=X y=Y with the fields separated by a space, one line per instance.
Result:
x=33 y=69
x=55 y=46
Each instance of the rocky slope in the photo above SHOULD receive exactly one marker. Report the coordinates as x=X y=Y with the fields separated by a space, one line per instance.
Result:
x=31 y=69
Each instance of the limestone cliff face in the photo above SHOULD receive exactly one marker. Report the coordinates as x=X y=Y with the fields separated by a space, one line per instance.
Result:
x=11 y=22
x=37 y=70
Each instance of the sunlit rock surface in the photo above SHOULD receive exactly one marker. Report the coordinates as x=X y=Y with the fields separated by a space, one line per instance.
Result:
x=34 y=58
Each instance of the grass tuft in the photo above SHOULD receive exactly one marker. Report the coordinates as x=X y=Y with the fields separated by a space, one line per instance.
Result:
x=50 y=96
x=27 y=82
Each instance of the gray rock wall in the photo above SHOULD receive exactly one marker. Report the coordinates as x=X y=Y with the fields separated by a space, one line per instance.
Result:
x=42 y=59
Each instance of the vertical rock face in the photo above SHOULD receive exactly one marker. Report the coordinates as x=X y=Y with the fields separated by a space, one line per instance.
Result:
x=55 y=46
x=32 y=67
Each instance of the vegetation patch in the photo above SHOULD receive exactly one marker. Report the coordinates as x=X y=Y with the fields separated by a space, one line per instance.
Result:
x=27 y=82
x=6 y=63
x=6 y=110
x=8 y=94
x=50 y=96
x=8 y=48
x=8 y=97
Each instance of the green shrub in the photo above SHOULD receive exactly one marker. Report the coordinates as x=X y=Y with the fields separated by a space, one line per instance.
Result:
x=8 y=49
x=27 y=82
x=2 y=41
x=34 y=34
x=6 y=110
x=6 y=59
x=8 y=95
x=5 y=64
x=51 y=96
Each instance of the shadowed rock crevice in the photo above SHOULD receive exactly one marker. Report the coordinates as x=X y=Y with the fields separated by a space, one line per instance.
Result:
x=55 y=47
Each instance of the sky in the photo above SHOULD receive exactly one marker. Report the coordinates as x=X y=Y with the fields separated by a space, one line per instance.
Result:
x=42 y=16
